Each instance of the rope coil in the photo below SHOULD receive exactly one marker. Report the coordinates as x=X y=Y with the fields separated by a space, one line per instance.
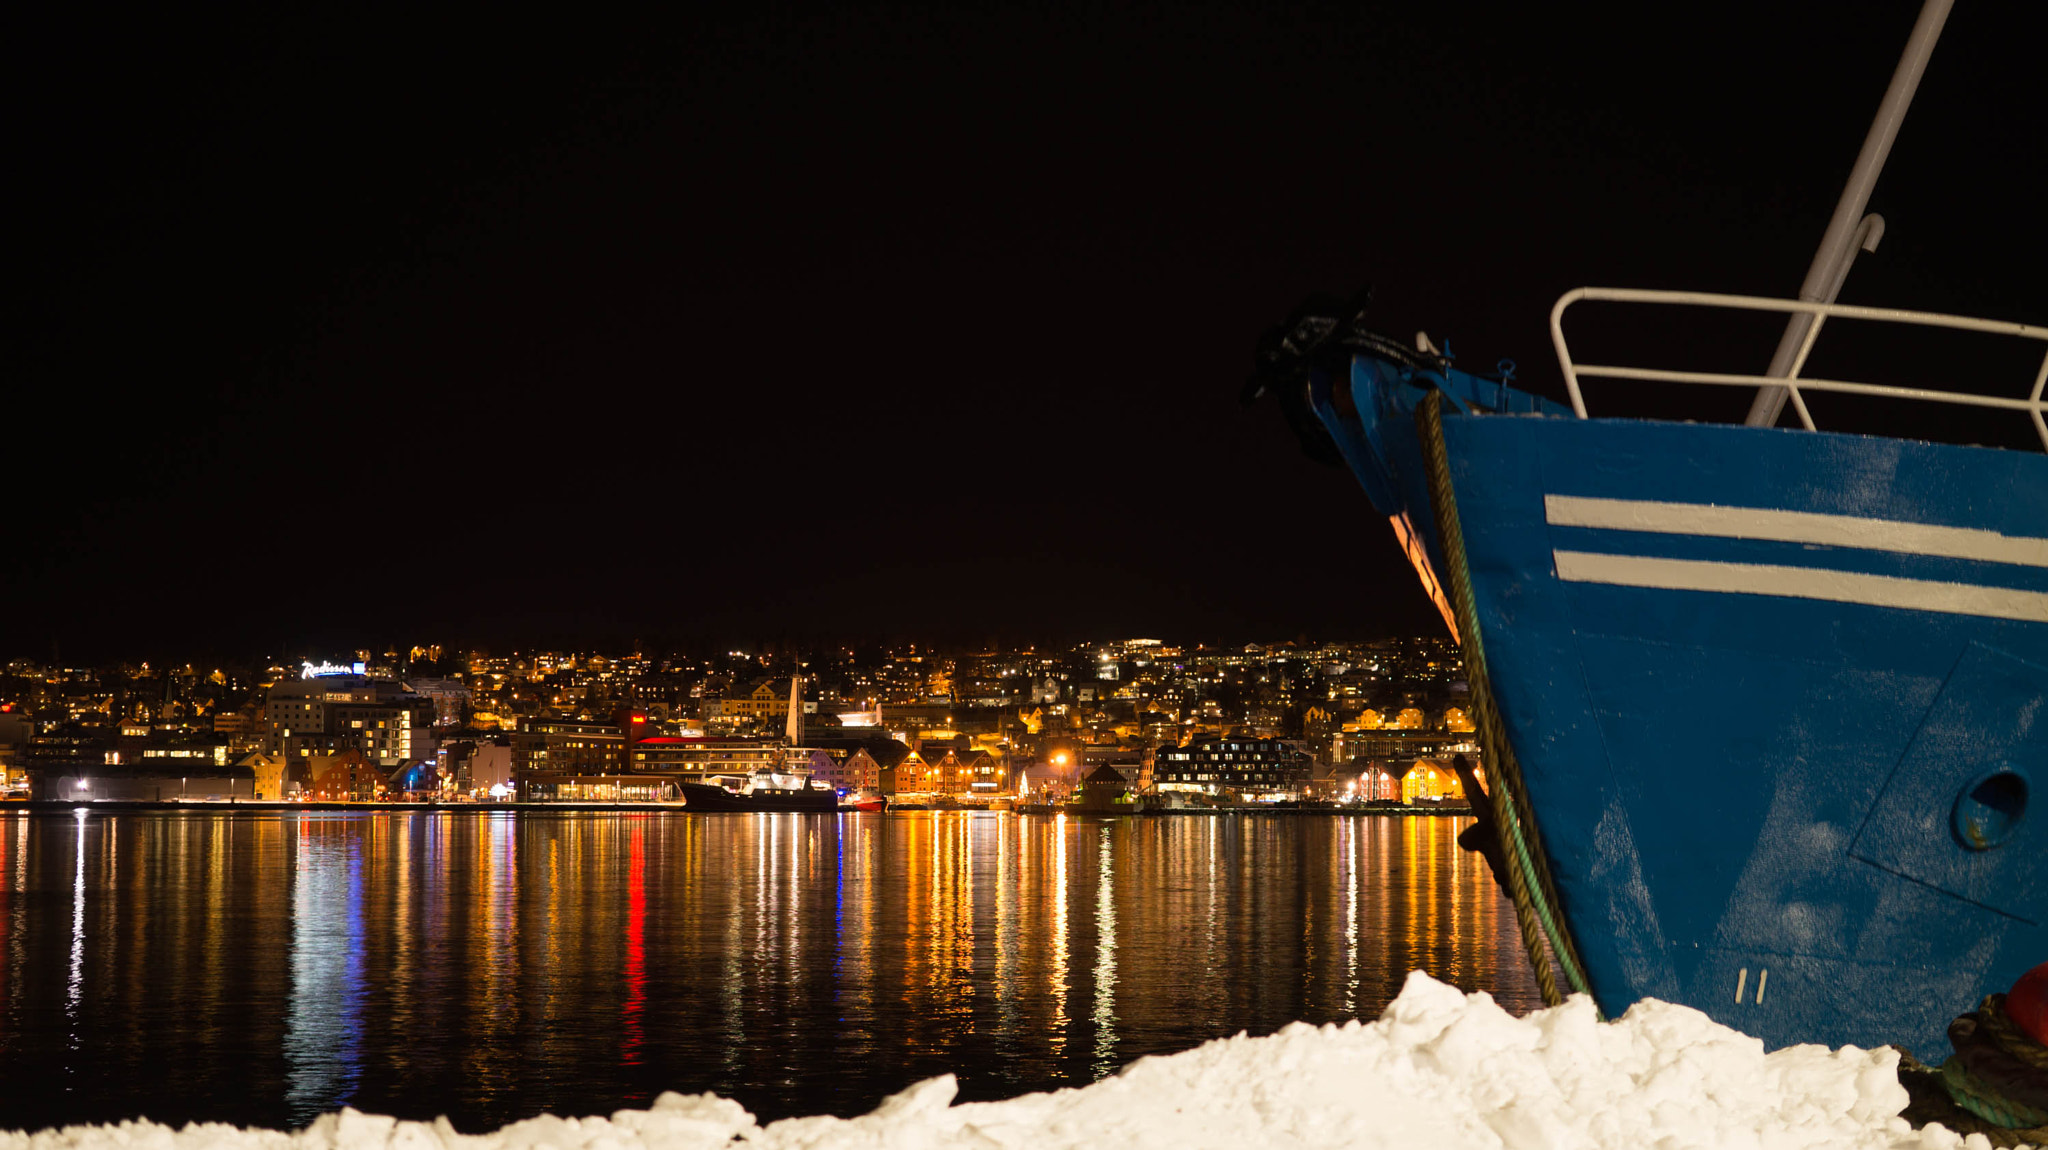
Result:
x=1528 y=877
x=1997 y=1073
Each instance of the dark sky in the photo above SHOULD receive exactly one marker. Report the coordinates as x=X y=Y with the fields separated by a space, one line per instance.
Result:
x=876 y=321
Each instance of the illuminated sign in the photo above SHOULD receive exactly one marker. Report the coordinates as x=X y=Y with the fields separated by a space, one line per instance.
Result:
x=328 y=670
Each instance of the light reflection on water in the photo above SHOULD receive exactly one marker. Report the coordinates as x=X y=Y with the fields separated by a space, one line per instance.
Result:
x=1104 y=1016
x=324 y=1030
x=263 y=968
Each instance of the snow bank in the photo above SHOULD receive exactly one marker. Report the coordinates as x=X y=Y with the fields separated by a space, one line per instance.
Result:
x=1440 y=1070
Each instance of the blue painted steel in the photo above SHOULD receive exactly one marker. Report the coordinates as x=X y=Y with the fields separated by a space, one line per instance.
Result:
x=1750 y=801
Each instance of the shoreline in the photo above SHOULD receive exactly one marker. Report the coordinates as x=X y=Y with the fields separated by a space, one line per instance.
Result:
x=130 y=806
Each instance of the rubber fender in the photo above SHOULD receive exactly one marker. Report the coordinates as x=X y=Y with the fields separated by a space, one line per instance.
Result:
x=2027 y=1003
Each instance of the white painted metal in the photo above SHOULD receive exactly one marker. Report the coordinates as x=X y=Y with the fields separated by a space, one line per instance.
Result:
x=1791 y=582
x=1659 y=517
x=1790 y=382
x=1838 y=244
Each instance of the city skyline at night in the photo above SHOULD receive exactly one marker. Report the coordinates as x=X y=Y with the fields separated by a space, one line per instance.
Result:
x=1174 y=723
x=764 y=570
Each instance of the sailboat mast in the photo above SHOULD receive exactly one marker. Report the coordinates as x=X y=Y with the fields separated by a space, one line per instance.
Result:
x=1847 y=228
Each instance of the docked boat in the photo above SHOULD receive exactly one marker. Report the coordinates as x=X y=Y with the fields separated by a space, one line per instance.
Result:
x=1761 y=707
x=787 y=786
x=867 y=800
x=764 y=790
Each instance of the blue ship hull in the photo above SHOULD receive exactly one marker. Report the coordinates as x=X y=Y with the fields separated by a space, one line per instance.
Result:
x=1777 y=696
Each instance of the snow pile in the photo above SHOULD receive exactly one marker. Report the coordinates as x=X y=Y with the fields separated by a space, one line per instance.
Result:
x=1440 y=1070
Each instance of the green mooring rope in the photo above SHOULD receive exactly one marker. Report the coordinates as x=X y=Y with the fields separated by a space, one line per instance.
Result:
x=1998 y=1072
x=1528 y=879
x=1979 y=1098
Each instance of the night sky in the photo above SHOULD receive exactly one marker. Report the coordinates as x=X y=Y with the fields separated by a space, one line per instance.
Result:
x=866 y=322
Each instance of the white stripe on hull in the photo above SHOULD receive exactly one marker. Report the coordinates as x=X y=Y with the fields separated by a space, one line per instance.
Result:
x=1802 y=583
x=1796 y=527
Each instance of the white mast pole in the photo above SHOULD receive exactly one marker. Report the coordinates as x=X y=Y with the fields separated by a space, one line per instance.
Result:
x=1838 y=245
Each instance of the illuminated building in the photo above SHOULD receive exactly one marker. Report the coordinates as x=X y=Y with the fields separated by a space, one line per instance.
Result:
x=1130 y=762
x=1105 y=789
x=568 y=746
x=1045 y=783
x=1257 y=769
x=243 y=731
x=562 y=760
x=480 y=766
x=941 y=769
x=697 y=757
x=325 y=712
x=1430 y=781
x=866 y=763
x=94 y=763
x=1395 y=746
x=348 y=777
x=450 y=696
x=760 y=699
x=157 y=780
x=488 y=770
x=1365 y=781
x=268 y=773
x=16 y=729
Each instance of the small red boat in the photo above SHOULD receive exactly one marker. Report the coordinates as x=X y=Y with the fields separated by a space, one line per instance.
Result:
x=868 y=800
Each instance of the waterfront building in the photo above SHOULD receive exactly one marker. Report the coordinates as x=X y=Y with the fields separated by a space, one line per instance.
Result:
x=950 y=769
x=822 y=767
x=695 y=757
x=557 y=760
x=1428 y=781
x=267 y=772
x=1363 y=780
x=1045 y=783
x=596 y=788
x=1397 y=747
x=864 y=763
x=1133 y=763
x=1260 y=770
x=980 y=773
x=570 y=746
x=567 y=759
x=159 y=780
x=349 y=777
x=323 y=713
x=481 y=767
x=1105 y=789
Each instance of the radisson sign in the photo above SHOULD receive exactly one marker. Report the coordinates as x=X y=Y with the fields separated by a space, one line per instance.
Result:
x=327 y=670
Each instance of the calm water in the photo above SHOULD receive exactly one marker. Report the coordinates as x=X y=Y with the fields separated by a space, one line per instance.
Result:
x=262 y=968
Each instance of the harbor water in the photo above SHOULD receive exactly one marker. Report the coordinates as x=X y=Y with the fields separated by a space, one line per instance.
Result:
x=263 y=968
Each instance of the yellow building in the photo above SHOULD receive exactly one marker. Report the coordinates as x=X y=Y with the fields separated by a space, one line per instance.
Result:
x=760 y=699
x=1367 y=720
x=269 y=774
x=1430 y=781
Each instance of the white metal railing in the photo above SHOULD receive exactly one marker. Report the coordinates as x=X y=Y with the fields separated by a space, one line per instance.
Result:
x=1821 y=312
